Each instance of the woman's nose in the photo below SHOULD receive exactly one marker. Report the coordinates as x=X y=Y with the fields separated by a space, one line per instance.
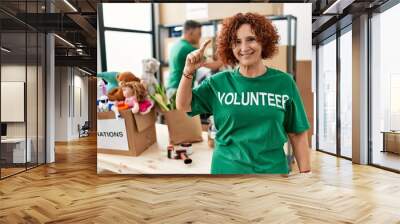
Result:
x=244 y=46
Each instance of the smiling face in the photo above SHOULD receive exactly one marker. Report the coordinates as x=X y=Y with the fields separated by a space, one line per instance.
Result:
x=127 y=91
x=246 y=48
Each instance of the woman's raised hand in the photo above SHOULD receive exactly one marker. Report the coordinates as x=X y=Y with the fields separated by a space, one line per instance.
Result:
x=195 y=59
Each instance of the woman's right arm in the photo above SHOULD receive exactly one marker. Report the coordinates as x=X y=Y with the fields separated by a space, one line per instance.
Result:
x=194 y=60
x=184 y=94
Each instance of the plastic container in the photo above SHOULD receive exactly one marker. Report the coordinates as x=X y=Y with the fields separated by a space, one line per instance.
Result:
x=187 y=147
x=211 y=132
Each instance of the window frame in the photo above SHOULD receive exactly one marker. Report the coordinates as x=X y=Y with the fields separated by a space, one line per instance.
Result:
x=334 y=37
x=379 y=10
x=103 y=28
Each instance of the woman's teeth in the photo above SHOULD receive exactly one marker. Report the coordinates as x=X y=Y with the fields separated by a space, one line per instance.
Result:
x=246 y=54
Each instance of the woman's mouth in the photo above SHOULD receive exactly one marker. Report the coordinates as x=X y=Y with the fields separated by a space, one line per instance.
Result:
x=247 y=54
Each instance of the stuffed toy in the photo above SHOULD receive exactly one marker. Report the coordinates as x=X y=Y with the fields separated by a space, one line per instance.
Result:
x=103 y=104
x=102 y=87
x=150 y=67
x=110 y=78
x=131 y=91
x=116 y=94
x=136 y=97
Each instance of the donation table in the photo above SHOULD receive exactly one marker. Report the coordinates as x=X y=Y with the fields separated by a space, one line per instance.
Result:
x=154 y=160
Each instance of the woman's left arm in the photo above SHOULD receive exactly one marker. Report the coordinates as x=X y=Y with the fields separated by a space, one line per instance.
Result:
x=301 y=150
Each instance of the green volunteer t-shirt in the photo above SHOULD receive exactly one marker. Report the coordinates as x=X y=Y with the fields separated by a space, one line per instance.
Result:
x=177 y=60
x=252 y=117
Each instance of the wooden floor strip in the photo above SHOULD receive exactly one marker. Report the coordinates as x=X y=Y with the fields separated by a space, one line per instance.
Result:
x=70 y=191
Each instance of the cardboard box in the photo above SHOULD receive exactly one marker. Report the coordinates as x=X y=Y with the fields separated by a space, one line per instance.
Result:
x=183 y=128
x=131 y=135
x=278 y=61
x=304 y=75
x=304 y=83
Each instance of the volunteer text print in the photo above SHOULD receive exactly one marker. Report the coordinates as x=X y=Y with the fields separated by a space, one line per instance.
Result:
x=253 y=98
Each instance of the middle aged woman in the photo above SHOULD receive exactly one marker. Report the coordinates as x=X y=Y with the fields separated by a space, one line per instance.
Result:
x=255 y=107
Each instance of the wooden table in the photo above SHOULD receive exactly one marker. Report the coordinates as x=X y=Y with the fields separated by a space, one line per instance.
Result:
x=154 y=161
x=391 y=141
x=14 y=148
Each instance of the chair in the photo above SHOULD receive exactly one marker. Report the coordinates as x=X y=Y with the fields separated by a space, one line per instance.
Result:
x=84 y=129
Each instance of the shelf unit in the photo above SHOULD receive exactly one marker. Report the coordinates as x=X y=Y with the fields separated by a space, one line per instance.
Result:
x=170 y=31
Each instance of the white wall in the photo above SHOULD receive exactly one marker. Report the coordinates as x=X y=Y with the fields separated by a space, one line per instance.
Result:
x=12 y=73
x=302 y=11
x=33 y=126
x=70 y=83
x=80 y=83
x=61 y=111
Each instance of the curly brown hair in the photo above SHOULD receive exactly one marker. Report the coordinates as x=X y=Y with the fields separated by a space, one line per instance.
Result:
x=262 y=27
x=138 y=89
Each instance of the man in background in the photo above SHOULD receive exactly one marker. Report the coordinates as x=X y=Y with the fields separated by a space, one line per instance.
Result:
x=189 y=42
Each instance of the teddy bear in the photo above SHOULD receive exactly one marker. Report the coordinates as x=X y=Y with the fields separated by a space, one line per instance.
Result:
x=116 y=94
x=150 y=67
x=135 y=97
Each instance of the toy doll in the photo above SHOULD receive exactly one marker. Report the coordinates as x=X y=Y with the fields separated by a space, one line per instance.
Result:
x=136 y=97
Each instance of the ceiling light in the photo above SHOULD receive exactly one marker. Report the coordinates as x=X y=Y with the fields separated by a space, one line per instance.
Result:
x=178 y=28
x=337 y=7
x=5 y=50
x=84 y=71
x=70 y=5
x=65 y=41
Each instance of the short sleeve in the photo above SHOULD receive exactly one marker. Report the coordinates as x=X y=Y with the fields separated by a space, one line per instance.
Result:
x=296 y=120
x=201 y=99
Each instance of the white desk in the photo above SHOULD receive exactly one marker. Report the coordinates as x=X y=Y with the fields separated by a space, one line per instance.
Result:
x=153 y=161
x=18 y=149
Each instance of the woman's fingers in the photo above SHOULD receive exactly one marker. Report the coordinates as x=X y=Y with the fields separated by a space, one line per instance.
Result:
x=200 y=51
x=204 y=45
x=191 y=58
x=196 y=57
